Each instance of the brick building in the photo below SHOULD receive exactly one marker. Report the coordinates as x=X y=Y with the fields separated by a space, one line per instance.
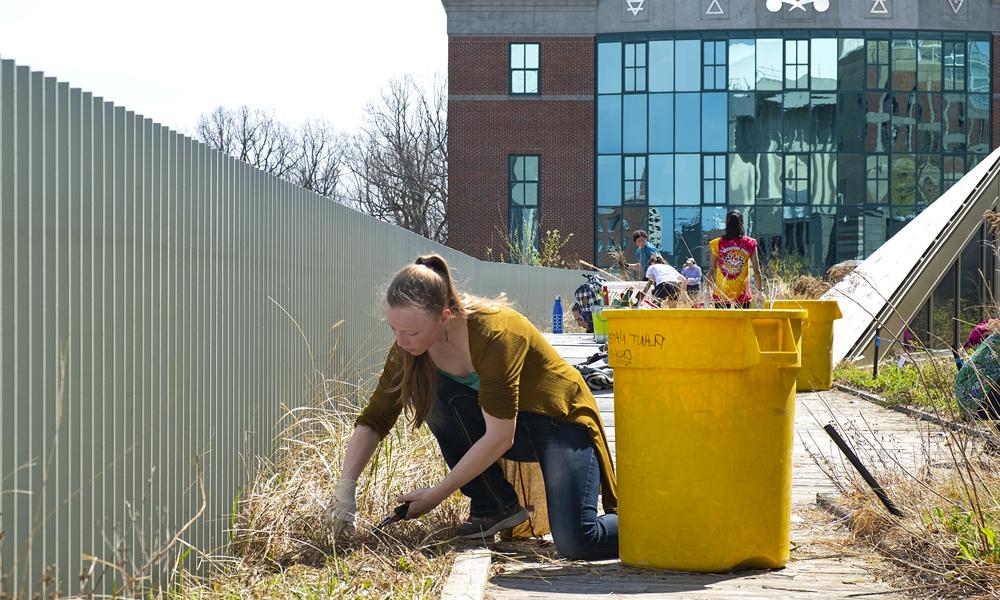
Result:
x=829 y=123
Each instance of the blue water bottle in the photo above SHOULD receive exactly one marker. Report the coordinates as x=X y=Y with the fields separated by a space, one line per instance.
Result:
x=557 y=313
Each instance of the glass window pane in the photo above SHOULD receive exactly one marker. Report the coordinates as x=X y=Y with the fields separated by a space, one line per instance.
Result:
x=877 y=138
x=517 y=82
x=903 y=178
x=796 y=121
x=851 y=122
x=517 y=194
x=688 y=123
x=878 y=64
x=823 y=64
x=928 y=178
x=743 y=128
x=634 y=129
x=769 y=64
x=849 y=234
x=708 y=50
x=851 y=64
x=796 y=179
x=979 y=66
x=609 y=68
x=531 y=194
x=609 y=233
x=929 y=65
x=742 y=179
x=660 y=226
x=661 y=122
x=943 y=313
x=661 y=66
x=609 y=124
x=531 y=82
x=954 y=137
x=687 y=233
x=687 y=65
x=770 y=178
x=769 y=108
x=877 y=179
x=823 y=179
x=688 y=186
x=742 y=64
x=517 y=56
x=971 y=294
x=823 y=130
x=928 y=122
x=531 y=168
x=714 y=122
x=518 y=168
x=903 y=122
x=713 y=222
x=851 y=179
x=661 y=179
x=609 y=180
x=531 y=56
x=978 y=123
x=904 y=64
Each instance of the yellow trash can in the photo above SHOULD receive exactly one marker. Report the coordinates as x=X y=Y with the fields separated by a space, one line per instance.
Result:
x=704 y=413
x=817 y=342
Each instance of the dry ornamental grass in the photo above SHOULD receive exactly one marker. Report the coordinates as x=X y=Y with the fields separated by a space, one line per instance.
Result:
x=281 y=545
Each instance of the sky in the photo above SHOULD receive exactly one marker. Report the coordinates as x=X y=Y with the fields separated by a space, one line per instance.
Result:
x=173 y=61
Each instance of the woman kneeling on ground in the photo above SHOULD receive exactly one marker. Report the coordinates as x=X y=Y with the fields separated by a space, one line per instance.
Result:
x=488 y=385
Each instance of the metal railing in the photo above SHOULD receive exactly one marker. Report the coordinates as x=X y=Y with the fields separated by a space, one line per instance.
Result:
x=159 y=301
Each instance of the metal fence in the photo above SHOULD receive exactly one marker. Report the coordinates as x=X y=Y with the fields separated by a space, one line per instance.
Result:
x=158 y=301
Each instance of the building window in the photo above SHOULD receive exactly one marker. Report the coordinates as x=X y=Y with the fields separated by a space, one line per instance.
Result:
x=635 y=179
x=635 y=67
x=877 y=52
x=877 y=179
x=797 y=178
x=524 y=68
x=713 y=179
x=525 y=235
x=714 y=65
x=797 y=64
x=954 y=66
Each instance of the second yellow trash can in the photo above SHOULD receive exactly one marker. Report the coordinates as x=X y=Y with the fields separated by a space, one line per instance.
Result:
x=817 y=342
x=704 y=413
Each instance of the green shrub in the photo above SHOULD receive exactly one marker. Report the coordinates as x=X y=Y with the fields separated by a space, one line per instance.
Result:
x=927 y=386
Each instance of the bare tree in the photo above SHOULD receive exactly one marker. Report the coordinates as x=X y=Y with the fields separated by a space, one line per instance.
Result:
x=319 y=158
x=252 y=135
x=398 y=161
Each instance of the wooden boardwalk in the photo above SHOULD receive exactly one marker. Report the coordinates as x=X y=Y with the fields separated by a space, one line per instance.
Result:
x=818 y=568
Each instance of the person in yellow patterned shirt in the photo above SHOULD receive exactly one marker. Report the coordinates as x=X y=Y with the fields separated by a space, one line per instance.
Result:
x=729 y=267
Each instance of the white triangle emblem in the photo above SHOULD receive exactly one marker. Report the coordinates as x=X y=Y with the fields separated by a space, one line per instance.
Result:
x=956 y=5
x=879 y=8
x=715 y=8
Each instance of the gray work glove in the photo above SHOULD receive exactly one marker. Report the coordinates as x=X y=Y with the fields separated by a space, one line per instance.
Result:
x=341 y=512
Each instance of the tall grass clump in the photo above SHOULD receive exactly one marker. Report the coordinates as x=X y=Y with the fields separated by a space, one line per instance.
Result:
x=281 y=545
x=945 y=545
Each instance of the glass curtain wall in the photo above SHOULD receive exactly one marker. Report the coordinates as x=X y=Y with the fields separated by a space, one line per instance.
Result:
x=828 y=141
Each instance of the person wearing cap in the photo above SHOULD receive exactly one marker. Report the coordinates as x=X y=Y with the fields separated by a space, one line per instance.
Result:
x=692 y=274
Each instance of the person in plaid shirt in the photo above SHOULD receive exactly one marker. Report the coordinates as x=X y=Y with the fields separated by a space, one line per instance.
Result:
x=586 y=298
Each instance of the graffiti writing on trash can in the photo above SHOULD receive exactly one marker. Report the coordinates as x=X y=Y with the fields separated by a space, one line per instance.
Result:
x=620 y=344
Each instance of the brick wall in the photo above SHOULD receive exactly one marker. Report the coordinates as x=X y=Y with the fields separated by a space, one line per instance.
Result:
x=482 y=133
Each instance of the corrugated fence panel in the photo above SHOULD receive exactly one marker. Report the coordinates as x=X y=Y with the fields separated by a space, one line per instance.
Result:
x=160 y=303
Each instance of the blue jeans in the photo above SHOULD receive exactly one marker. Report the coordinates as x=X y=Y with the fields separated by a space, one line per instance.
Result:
x=565 y=452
